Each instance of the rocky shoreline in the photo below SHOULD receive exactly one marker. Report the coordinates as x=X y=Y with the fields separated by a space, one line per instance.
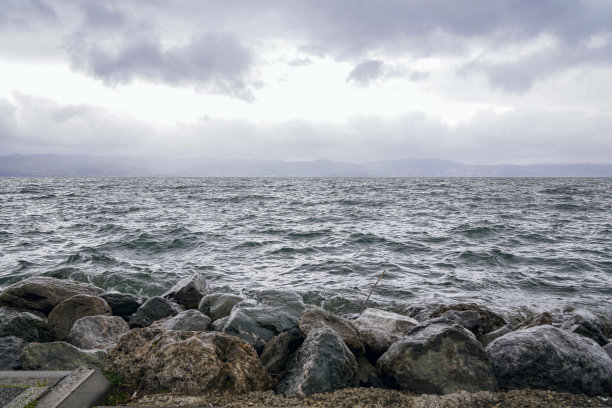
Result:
x=192 y=342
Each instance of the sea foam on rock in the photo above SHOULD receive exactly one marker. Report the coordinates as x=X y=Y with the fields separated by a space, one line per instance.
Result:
x=153 y=309
x=437 y=357
x=187 y=362
x=379 y=329
x=189 y=291
x=42 y=293
x=323 y=363
x=65 y=314
x=549 y=358
x=97 y=332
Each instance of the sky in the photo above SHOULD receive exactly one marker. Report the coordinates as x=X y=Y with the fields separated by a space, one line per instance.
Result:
x=476 y=81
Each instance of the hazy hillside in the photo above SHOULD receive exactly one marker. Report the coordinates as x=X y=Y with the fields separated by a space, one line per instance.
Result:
x=96 y=166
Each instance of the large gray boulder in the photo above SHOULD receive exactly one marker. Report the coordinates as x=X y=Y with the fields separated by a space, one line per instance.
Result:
x=258 y=322
x=218 y=305
x=63 y=316
x=379 y=329
x=314 y=317
x=97 y=332
x=153 y=309
x=42 y=293
x=59 y=356
x=586 y=324
x=187 y=362
x=188 y=320
x=490 y=320
x=549 y=358
x=323 y=363
x=189 y=291
x=437 y=358
x=122 y=304
x=29 y=327
x=10 y=351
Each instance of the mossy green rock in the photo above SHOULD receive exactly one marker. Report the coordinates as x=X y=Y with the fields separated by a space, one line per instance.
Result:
x=59 y=356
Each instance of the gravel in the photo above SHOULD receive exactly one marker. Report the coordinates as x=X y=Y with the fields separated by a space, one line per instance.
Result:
x=7 y=394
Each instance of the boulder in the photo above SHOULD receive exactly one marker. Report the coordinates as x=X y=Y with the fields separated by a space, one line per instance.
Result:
x=379 y=329
x=63 y=316
x=608 y=349
x=586 y=324
x=122 y=304
x=6 y=314
x=29 y=327
x=258 y=322
x=59 y=356
x=97 y=332
x=153 y=309
x=323 y=363
x=219 y=324
x=314 y=317
x=539 y=319
x=188 y=320
x=486 y=339
x=10 y=350
x=189 y=291
x=549 y=358
x=187 y=362
x=276 y=352
x=218 y=305
x=490 y=320
x=42 y=293
x=468 y=319
x=437 y=358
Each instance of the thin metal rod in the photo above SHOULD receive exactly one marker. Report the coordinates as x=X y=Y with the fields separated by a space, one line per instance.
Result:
x=372 y=290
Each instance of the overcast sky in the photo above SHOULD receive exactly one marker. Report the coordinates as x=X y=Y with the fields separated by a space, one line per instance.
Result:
x=477 y=81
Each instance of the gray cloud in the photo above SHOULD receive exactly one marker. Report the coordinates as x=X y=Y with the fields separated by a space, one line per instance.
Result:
x=25 y=14
x=518 y=136
x=366 y=72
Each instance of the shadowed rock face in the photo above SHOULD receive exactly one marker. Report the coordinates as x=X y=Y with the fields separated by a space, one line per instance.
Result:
x=437 y=358
x=28 y=327
x=43 y=293
x=490 y=320
x=586 y=324
x=10 y=350
x=122 y=304
x=546 y=357
x=189 y=291
x=314 y=317
x=277 y=351
x=188 y=362
x=323 y=363
x=153 y=309
x=64 y=315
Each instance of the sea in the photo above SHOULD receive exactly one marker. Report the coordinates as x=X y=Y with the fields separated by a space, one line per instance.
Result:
x=517 y=245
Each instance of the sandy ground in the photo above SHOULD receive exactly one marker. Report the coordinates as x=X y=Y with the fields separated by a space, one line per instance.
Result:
x=379 y=398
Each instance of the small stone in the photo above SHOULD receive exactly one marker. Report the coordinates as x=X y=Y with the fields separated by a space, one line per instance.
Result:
x=42 y=293
x=188 y=320
x=59 y=356
x=29 y=327
x=153 y=309
x=539 y=319
x=97 y=332
x=314 y=317
x=189 y=291
x=122 y=304
x=63 y=316
x=10 y=350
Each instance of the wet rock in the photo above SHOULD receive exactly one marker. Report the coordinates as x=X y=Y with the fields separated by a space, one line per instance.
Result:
x=323 y=363
x=314 y=317
x=97 y=332
x=368 y=377
x=608 y=349
x=122 y=304
x=28 y=327
x=586 y=324
x=10 y=350
x=486 y=339
x=188 y=320
x=420 y=312
x=546 y=357
x=218 y=305
x=42 y=293
x=379 y=329
x=6 y=314
x=153 y=309
x=539 y=319
x=63 y=316
x=276 y=352
x=437 y=358
x=468 y=319
x=219 y=324
x=59 y=356
x=490 y=320
x=187 y=362
x=189 y=291
x=258 y=322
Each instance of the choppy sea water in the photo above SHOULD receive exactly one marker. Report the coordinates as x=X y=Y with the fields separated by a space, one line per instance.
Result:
x=512 y=244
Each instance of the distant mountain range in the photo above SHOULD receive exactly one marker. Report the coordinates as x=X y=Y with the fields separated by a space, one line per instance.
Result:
x=96 y=166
